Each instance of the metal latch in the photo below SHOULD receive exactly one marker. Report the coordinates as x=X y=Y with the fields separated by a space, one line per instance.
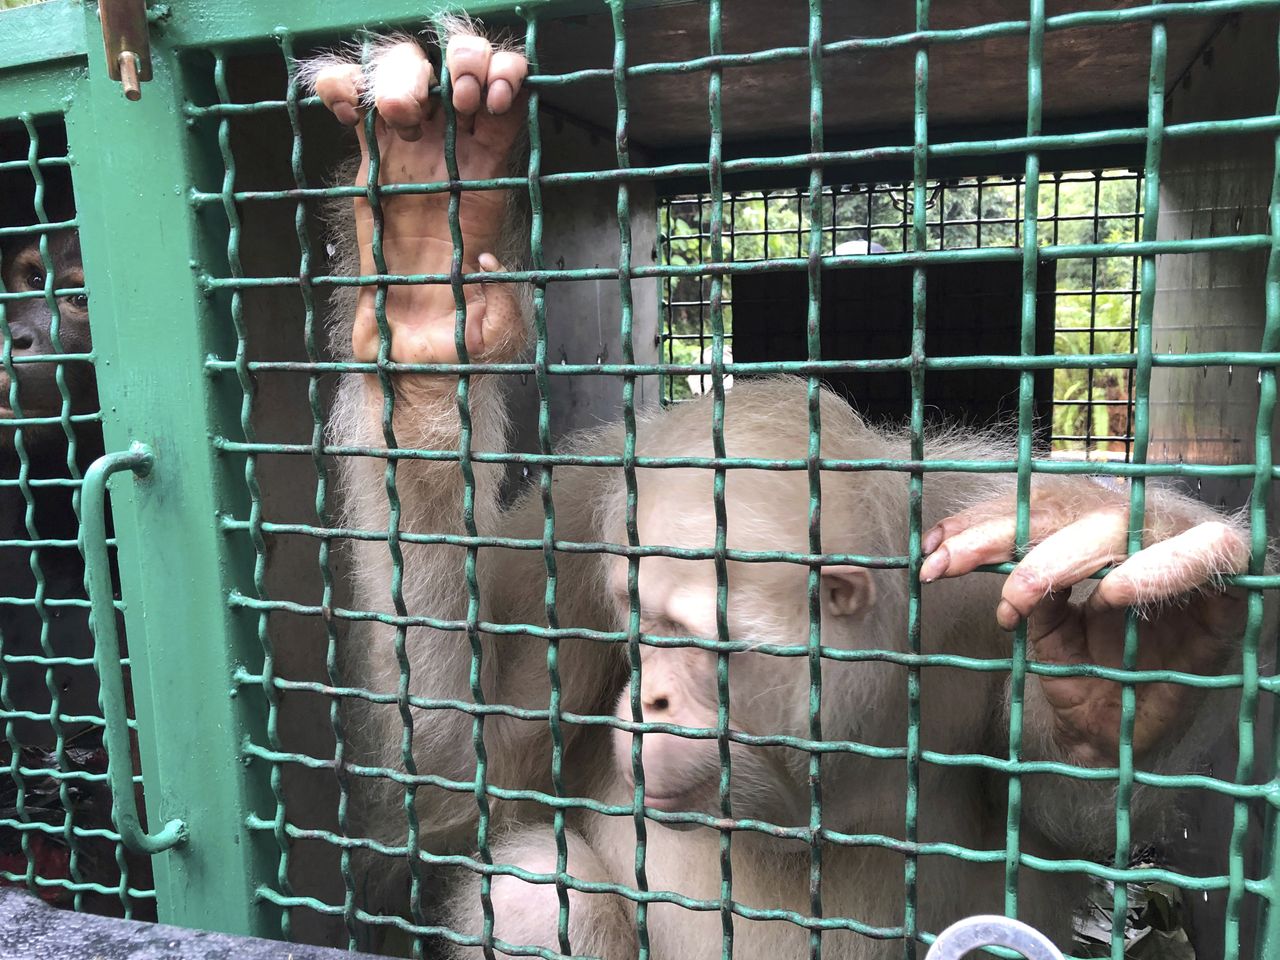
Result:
x=124 y=35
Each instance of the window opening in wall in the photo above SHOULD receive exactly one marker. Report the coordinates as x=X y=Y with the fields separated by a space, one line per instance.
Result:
x=1092 y=309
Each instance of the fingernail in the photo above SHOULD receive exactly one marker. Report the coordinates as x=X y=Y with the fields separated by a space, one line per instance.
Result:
x=500 y=97
x=466 y=93
x=931 y=540
x=346 y=114
x=1007 y=615
x=934 y=566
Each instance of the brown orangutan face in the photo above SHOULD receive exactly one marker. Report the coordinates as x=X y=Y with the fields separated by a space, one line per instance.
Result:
x=31 y=331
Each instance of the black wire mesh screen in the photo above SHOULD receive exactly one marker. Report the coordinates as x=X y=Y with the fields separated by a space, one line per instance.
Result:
x=1092 y=303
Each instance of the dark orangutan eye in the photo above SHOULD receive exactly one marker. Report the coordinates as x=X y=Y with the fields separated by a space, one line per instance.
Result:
x=35 y=279
x=662 y=627
x=80 y=301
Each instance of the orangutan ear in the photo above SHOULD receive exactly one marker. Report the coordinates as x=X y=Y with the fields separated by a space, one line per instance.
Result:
x=847 y=591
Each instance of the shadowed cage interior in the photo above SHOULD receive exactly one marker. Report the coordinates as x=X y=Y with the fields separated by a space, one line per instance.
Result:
x=56 y=833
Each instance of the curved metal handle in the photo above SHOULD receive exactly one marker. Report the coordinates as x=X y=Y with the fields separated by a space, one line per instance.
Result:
x=106 y=651
x=974 y=933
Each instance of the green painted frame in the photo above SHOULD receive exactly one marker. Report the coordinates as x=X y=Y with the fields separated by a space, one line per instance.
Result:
x=180 y=639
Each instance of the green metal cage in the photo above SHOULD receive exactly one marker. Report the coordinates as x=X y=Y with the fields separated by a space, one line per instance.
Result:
x=199 y=211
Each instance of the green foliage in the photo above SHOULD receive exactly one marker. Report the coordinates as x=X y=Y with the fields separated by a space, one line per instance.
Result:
x=1095 y=302
x=13 y=4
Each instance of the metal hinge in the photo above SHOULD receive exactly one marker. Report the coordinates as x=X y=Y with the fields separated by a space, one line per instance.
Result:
x=124 y=35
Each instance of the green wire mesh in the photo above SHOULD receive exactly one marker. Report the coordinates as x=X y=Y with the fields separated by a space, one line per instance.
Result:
x=56 y=835
x=1034 y=237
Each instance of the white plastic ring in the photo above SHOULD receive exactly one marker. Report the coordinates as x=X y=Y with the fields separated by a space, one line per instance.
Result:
x=974 y=933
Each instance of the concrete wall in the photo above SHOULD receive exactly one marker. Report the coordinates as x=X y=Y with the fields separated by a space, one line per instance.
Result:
x=583 y=317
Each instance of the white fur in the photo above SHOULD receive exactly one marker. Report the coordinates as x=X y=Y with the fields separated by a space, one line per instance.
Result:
x=863 y=703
